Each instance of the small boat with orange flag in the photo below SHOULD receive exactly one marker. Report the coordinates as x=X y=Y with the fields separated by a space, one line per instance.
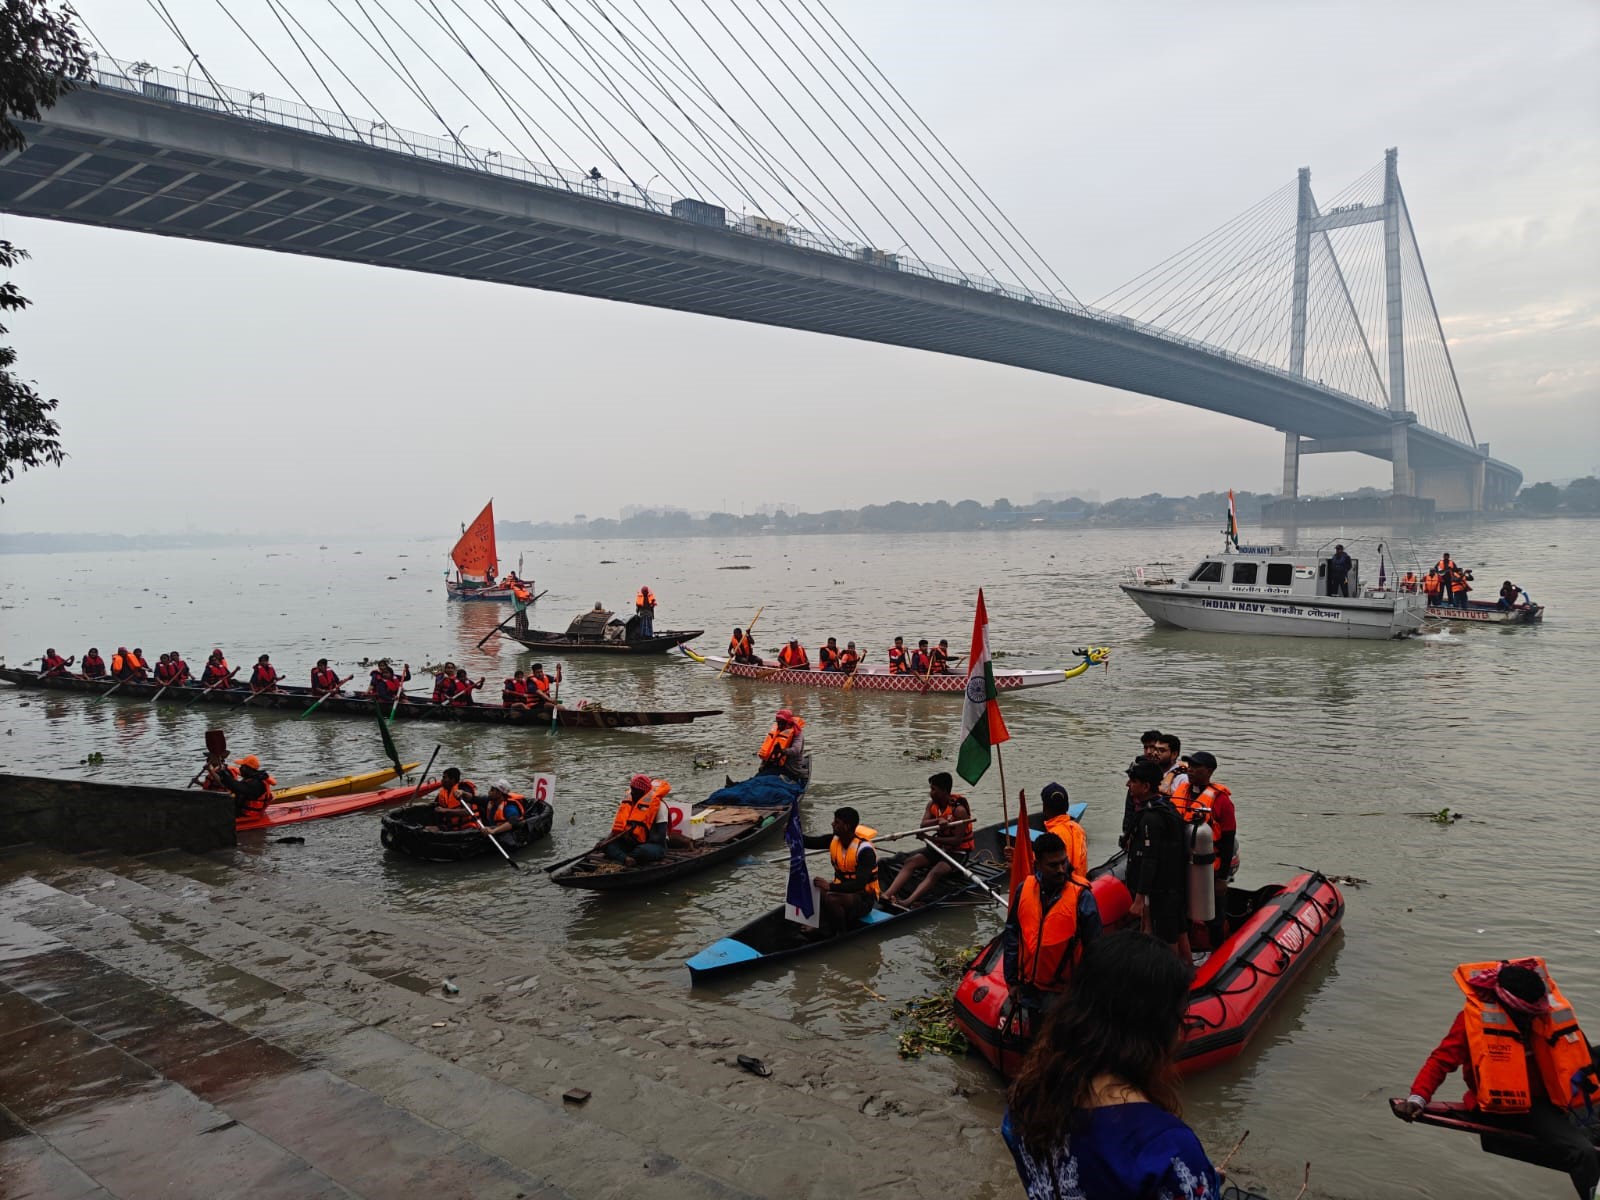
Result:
x=477 y=562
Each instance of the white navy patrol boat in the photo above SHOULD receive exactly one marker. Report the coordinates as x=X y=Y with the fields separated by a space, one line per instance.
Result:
x=1278 y=591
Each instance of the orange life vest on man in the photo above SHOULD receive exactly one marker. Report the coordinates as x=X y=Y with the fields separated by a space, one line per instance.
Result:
x=263 y=675
x=946 y=814
x=938 y=661
x=844 y=860
x=635 y=817
x=1074 y=838
x=828 y=658
x=897 y=660
x=1430 y=583
x=454 y=800
x=1560 y=1052
x=324 y=679
x=1050 y=947
x=775 y=748
x=1409 y=583
x=539 y=684
x=497 y=811
x=644 y=598
x=740 y=647
x=793 y=656
x=121 y=665
x=1195 y=808
x=848 y=660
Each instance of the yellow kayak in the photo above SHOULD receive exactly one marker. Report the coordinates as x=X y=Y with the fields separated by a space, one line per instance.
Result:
x=348 y=786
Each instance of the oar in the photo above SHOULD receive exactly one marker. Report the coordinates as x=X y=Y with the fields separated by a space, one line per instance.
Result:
x=417 y=791
x=399 y=695
x=163 y=688
x=108 y=691
x=272 y=688
x=747 y=630
x=995 y=896
x=226 y=678
x=324 y=696
x=567 y=862
x=478 y=821
x=876 y=841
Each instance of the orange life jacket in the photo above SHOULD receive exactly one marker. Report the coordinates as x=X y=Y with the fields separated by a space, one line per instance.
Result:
x=844 y=861
x=1050 y=946
x=946 y=814
x=454 y=799
x=897 y=660
x=1430 y=583
x=775 y=749
x=828 y=656
x=1500 y=1056
x=644 y=598
x=264 y=675
x=635 y=817
x=1195 y=809
x=1077 y=842
x=497 y=811
x=939 y=661
x=1409 y=583
x=740 y=647
x=793 y=656
x=540 y=684
x=848 y=659
x=119 y=664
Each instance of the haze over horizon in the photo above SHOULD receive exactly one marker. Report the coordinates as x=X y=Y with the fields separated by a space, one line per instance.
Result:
x=212 y=388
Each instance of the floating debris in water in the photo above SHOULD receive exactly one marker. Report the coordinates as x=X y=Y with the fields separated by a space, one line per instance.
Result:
x=932 y=754
x=1445 y=817
x=94 y=760
x=1348 y=880
x=931 y=1019
x=705 y=762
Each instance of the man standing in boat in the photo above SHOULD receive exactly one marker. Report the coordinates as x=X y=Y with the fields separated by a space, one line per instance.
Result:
x=950 y=812
x=784 y=749
x=1339 y=568
x=1051 y=920
x=644 y=607
x=1158 y=861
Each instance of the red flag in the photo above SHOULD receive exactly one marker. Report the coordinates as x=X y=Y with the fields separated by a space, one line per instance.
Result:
x=1022 y=848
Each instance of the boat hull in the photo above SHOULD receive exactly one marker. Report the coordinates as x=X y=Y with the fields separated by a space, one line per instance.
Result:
x=317 y=807
x=546 y=642
x=499 y=594
x=406 y=832
x=1482 y=612
x=415 y=709
x=1278 y=616
x=878 y=679
x=347 y=786
x=1281 y=930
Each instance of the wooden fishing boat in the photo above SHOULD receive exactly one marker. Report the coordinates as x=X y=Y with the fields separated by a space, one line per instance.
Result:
x=772 y=937
x=349 y=785
x=326 y=806
x=730 y=831
x=599 y=632
x=406 y=831
x=878 y=679
x=413 y=709
x=1487 y=612
x=1278 y=930
x=477 y=560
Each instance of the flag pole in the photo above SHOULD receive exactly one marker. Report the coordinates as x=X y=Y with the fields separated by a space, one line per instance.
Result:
x=1005 y=812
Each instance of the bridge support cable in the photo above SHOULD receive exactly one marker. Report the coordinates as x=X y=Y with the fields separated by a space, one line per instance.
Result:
x=946 y=152
x=276 y=69
x=1449 y=384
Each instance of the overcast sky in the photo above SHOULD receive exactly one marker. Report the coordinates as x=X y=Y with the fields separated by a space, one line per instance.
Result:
x=223 y=389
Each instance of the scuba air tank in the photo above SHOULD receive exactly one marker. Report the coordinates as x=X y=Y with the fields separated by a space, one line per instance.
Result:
x=1202 y=874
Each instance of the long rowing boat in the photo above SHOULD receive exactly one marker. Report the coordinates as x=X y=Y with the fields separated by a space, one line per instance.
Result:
x=347 y=786
x=548 y=642
x=879 y=679
x=416 y=709
x=772 y=937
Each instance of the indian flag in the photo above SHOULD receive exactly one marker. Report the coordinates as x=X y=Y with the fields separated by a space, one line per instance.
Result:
x=1232 y=531
x=981 y=724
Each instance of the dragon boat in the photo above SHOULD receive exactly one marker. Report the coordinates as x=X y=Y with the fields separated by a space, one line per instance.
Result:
x=880 y=679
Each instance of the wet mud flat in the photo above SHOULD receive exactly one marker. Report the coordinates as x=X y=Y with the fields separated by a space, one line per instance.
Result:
x=171 y=1027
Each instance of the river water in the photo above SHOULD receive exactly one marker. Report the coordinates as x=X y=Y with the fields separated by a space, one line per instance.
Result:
x=1330 y=748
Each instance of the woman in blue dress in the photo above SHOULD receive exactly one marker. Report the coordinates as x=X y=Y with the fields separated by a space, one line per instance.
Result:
x=1094 y=1110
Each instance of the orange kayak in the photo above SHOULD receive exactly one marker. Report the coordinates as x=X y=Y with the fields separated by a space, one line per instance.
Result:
x=327 y=806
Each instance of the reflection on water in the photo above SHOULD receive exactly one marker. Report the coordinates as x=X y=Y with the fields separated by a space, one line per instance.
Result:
x=1326 y=745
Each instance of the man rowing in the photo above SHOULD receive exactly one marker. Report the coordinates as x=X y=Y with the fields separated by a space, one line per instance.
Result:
x=180 y=669
x=264 y=676
x=921 y=663
x=897 y=657
x=828 y=656
x=849 y=659
x=386 y=685
x=462 y=689
x=444 y=684
x=514 y=691
x=216 y=670
x=539 y=684
x=451 y=802
x=94 y=667
x=741 y=649
x=794 y=656
x=324 y=679
x=940 y=656
x=503 y=808
x=53 y=665
x=952 y=815
x=640 y=832
x=251 y=786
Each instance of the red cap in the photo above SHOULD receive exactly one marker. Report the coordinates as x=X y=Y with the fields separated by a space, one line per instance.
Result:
x=642 y=782
x=783 y=714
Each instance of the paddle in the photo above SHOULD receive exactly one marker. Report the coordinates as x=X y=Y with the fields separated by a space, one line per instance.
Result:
x=478 y=821
x=64 y=667
x=876 y=841
x=163 y=688
x=600 y=845
x=747 y=630
x=108 y=691
x=498 y=628
x=225 y=679
x=400 y=694
x=216 y=747
x=324 y=696
x=941 y=853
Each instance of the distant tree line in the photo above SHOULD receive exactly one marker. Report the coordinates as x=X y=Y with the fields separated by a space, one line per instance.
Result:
x=902 y=516
x=1579 y=496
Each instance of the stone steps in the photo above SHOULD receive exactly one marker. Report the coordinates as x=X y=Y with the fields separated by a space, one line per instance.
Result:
x=335 y=982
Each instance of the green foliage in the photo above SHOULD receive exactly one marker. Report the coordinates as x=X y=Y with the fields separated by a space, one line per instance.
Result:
x=41 y=56
x=1579 y=496
x=930 y=1020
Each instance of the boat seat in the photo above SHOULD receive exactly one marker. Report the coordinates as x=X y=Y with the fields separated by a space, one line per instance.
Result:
x=876 y=917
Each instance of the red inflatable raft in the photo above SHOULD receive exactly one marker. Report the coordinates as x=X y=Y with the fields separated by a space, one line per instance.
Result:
x=1278 y=931
x=326 y=806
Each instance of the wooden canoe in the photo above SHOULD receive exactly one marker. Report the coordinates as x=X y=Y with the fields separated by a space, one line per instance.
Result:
x=326 y=806
x=406 y=831
x=341 y=787
x=772 y=937
x=546 y=642
x=415 y=708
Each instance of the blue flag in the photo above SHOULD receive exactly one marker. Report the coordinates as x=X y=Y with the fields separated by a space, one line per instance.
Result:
x=800 y=891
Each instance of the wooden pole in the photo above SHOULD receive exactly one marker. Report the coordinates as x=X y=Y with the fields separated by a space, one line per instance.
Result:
x=1005 y=812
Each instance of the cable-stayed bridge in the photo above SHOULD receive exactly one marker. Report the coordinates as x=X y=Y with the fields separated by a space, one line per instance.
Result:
x=1314 y=320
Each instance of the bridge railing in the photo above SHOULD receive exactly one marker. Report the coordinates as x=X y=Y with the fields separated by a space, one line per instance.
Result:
x=154 y=83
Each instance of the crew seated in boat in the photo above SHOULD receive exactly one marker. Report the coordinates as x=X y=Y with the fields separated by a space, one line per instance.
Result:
x=741 y=649
x=444 y=684
x=451 y=803
x=503 y=808
x=849 y=660
x=640 y=832
x=1200 y=800
x=539 y=684
x=1511 y=596
x=163 y=670
x=263 y=676
x=952 y=815
x=1408 y=582
x=921 y=662
x=853 y=892
x=325 y=680
x=53 y=664
x=386 y=685
x=1533 y=1092
x=462 y=688
x=784 y=748
x=216 y=670
x=1058 y=820
x=251 y=787
x=897 y=657
x=128 y=664
x=828 y=656
x=940 y=658
x=514 y=692
x=94 y=667
x=794 y=656
x=1052 y=918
